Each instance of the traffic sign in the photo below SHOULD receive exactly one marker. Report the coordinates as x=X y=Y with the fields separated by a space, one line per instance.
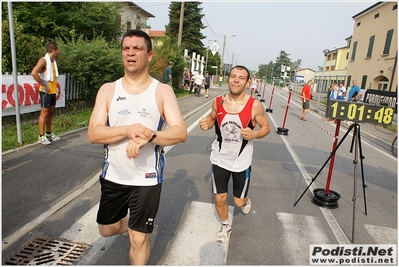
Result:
x=214 y=48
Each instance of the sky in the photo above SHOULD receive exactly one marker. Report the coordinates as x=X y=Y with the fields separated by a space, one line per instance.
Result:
x=264 y=28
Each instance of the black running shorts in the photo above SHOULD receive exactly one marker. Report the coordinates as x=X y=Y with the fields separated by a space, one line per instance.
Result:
x=47 y=100
x=141 y=201
x=221 y=177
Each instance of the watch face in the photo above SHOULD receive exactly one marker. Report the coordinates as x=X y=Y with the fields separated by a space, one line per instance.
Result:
x=359 y=112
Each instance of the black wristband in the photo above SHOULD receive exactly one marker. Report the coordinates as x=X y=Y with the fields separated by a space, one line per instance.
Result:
x=154 y=135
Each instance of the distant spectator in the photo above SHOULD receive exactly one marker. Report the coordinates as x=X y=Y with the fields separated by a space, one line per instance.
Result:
x=305 y=96
x=354 y=94
x=341 y=92
x=167 y=77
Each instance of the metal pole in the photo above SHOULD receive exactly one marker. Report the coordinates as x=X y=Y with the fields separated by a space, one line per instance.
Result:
x=206 y=62
x=321 y=83
x=325 y=53
x=14 y=72
x=222 y=63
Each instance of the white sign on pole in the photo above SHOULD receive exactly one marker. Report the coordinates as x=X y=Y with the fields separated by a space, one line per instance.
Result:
x=214 y=48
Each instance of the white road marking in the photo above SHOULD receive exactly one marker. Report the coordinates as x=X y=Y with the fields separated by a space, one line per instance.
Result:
x=300 y=232
x=382 y=235
x=195 y=242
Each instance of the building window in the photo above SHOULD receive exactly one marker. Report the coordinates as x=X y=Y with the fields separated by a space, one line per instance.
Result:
x=348 y=82
x=347 y=56
x=358 y=24
x=371 y=44
x=376 y=15
x=354 y=51
x=364 y=80
x=129 y=25
x=388 y=41
x=395 y=7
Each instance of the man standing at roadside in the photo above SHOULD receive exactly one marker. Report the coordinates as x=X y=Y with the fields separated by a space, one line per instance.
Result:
x=167 y=77
x=207 y=84
x=235 y=116
x=354 y=93
x=45 y=74
x=128 y=118
x=199 y=81
x=305 y=96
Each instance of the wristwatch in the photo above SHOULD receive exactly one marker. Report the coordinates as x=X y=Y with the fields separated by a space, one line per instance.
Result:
x=154 y=135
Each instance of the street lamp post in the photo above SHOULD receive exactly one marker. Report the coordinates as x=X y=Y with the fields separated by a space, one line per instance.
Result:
x=224 y=46
x=325 y=53
x=299 y=63
x=232 y=60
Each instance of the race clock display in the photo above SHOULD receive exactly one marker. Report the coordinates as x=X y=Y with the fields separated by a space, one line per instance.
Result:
x=359 y=112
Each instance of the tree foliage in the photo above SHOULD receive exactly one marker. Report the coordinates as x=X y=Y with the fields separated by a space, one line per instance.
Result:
x=29 y=48
x=96 y=61
x=192 y=26
x=37 y=23
x=213 y=60
x=273 y=69
x=168 y=51
x=53 y=19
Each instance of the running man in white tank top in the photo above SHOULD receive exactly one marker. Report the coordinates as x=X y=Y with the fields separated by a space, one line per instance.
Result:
x=127 y=118
x=235 y=117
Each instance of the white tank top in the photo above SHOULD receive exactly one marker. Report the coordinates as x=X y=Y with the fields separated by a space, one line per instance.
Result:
x=125 y=109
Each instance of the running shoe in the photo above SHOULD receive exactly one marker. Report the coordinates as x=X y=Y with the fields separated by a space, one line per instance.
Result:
x=52 y=137
x=247 y=207
x=224 y=233
x=44 y=140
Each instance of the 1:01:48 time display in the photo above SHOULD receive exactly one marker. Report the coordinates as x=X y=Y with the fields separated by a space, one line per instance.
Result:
x=361 y=112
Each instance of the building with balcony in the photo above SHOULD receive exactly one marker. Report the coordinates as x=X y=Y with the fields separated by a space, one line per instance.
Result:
x=374 y=48
x=370 y=55
x=134 y=17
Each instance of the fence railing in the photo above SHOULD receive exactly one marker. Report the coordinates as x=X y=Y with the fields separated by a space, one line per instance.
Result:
x=73 y=88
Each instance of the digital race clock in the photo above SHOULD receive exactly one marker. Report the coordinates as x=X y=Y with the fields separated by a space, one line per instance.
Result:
x=359 y=112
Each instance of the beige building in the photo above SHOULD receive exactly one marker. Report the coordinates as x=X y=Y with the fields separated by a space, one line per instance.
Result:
x=374 y=48
x=370 y=55
x=335 y=64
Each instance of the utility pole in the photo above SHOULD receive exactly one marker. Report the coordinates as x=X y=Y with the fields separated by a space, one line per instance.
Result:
x=180 y=24
x=222 y=63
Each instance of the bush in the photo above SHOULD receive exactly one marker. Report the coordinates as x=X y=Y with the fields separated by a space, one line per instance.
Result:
x=97 y=61
x=164 y=53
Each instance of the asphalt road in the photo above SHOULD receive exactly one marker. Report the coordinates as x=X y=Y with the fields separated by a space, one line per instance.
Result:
x=51 y=192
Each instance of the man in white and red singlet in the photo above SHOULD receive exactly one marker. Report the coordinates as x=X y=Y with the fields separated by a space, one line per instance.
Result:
x=235 y=116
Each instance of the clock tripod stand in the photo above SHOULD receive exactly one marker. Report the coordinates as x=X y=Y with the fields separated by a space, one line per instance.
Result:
x=329 y=201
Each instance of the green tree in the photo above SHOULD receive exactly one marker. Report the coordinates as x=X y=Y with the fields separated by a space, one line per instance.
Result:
x=192 y=26
x=96 y=61
x=49 y=20
x=29 y=48
x=213 y=60
x=168 y=51
x=37 y=23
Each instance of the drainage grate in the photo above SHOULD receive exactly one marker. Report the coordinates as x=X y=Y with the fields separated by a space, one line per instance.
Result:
x=47 y=252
